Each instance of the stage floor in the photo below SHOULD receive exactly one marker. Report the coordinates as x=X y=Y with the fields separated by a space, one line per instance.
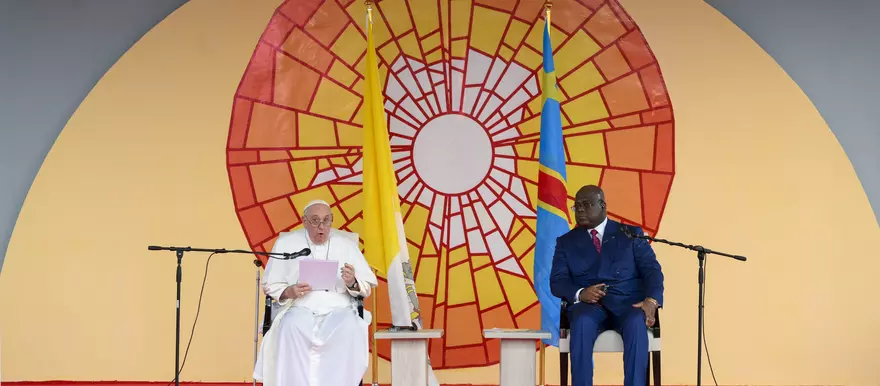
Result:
x=120 y=383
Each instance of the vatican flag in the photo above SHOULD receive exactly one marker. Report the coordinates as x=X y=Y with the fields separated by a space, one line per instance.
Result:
x=384 y=238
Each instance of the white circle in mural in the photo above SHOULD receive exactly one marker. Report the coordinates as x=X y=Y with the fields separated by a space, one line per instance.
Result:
x=452 y=153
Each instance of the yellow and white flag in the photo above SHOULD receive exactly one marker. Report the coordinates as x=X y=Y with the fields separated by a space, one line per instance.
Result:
x=384 y=238
x=383 y=234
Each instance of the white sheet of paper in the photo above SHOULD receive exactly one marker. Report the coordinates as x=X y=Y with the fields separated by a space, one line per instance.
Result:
x=319 y=274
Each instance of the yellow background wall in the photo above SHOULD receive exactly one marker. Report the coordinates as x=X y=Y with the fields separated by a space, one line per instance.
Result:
x=142 y=160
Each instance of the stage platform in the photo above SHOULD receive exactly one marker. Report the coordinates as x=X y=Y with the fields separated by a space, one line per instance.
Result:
x=122 y=383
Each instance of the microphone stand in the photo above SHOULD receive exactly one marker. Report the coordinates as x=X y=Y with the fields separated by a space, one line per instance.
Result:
x=701 y=279
x=179 y=251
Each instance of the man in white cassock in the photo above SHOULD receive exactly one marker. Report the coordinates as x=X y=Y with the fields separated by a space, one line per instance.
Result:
x=317 y=337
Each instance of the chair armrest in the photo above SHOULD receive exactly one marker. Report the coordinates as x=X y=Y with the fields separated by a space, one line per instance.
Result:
x=360 y=303
x=655 y=330
x=267 y=315
x=563 y=315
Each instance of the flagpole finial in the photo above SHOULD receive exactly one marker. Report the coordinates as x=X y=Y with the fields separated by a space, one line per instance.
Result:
x=548 y=4
x=369 y=4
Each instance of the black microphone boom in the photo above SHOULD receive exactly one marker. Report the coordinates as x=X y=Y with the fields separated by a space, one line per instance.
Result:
x=179 y=276
x=701 y=279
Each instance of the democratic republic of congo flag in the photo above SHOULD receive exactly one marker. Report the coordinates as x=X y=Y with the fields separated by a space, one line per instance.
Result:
x=552 y=212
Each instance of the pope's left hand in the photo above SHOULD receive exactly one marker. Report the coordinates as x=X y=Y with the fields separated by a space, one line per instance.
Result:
x=348 y=275
x=649 y=307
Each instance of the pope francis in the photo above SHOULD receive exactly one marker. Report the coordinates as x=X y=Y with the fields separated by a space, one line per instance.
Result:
x=317 y=337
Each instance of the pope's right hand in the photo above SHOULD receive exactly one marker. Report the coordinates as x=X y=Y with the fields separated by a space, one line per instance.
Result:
x=298 y=290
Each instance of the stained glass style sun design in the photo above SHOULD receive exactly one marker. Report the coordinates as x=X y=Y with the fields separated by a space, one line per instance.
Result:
x=463 y=98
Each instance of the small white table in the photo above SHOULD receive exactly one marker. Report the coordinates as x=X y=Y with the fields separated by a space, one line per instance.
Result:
x=409 y=355
x=517 y=354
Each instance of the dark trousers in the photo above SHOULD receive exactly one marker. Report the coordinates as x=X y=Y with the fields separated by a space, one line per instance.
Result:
x=588 y=321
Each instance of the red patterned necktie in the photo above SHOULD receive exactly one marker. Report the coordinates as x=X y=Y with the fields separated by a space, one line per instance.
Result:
x=596 y=241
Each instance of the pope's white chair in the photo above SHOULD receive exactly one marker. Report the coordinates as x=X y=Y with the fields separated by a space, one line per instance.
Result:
x=272 y=306
x=608 y=341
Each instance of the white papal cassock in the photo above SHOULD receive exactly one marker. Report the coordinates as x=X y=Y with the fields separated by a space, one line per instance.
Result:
x=318 y=339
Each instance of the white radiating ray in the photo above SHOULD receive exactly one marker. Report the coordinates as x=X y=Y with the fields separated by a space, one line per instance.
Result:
x=490 y=107
x=473 y=196
x=458 y=64
x=517 y=206
x=426 y=197
x=440 y=90
x=516 y=117
x=494 y=186
x=481 y=101
x=403 y=115
x=486 y=194
x=405 y=186
x=398 y=64
x=394 y=90
x=486 y=223
x=445 y=233
x=532 y=86
x=411 y=108
x=435 y=233
x=454 y=205
x=501 y=125
x=506 y=134
x=358 y=166
x=400 y=141
x=505 y=150
x=409 y=82
x=516 y=101
x=512 y=79
x=389 y=105
x=498 y=248
x=415 y=64
x=324 y=176
x=411 y=197
x=478 y=66
x=404 y=172
x=423 y=104
x=503 y=216
x=518 y=188
x=495 y=73
x=424 y=80
x=456 y=90
x=400 y=164
x=343 y=172
x=505 y=163
x=456 y=231
x=355 y=179
x=437 y=210
x=470 y=99
x=475 y=242
x=400 y=127
x=510 y=265
x=396 y=155
x=436 y=77
x=432 y=101
x=470 y=221
x=495 y=119
x=500 y=176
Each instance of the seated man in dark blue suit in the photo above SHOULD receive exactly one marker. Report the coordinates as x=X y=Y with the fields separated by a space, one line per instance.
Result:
x=611 y=281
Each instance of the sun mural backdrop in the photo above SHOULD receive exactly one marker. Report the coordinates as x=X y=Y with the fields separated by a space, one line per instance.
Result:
x=463 y=101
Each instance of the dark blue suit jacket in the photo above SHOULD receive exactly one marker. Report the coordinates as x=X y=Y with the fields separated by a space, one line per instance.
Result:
x=628 y=266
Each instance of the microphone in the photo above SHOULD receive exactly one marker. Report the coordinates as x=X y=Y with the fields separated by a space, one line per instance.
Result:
x=291 y=256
